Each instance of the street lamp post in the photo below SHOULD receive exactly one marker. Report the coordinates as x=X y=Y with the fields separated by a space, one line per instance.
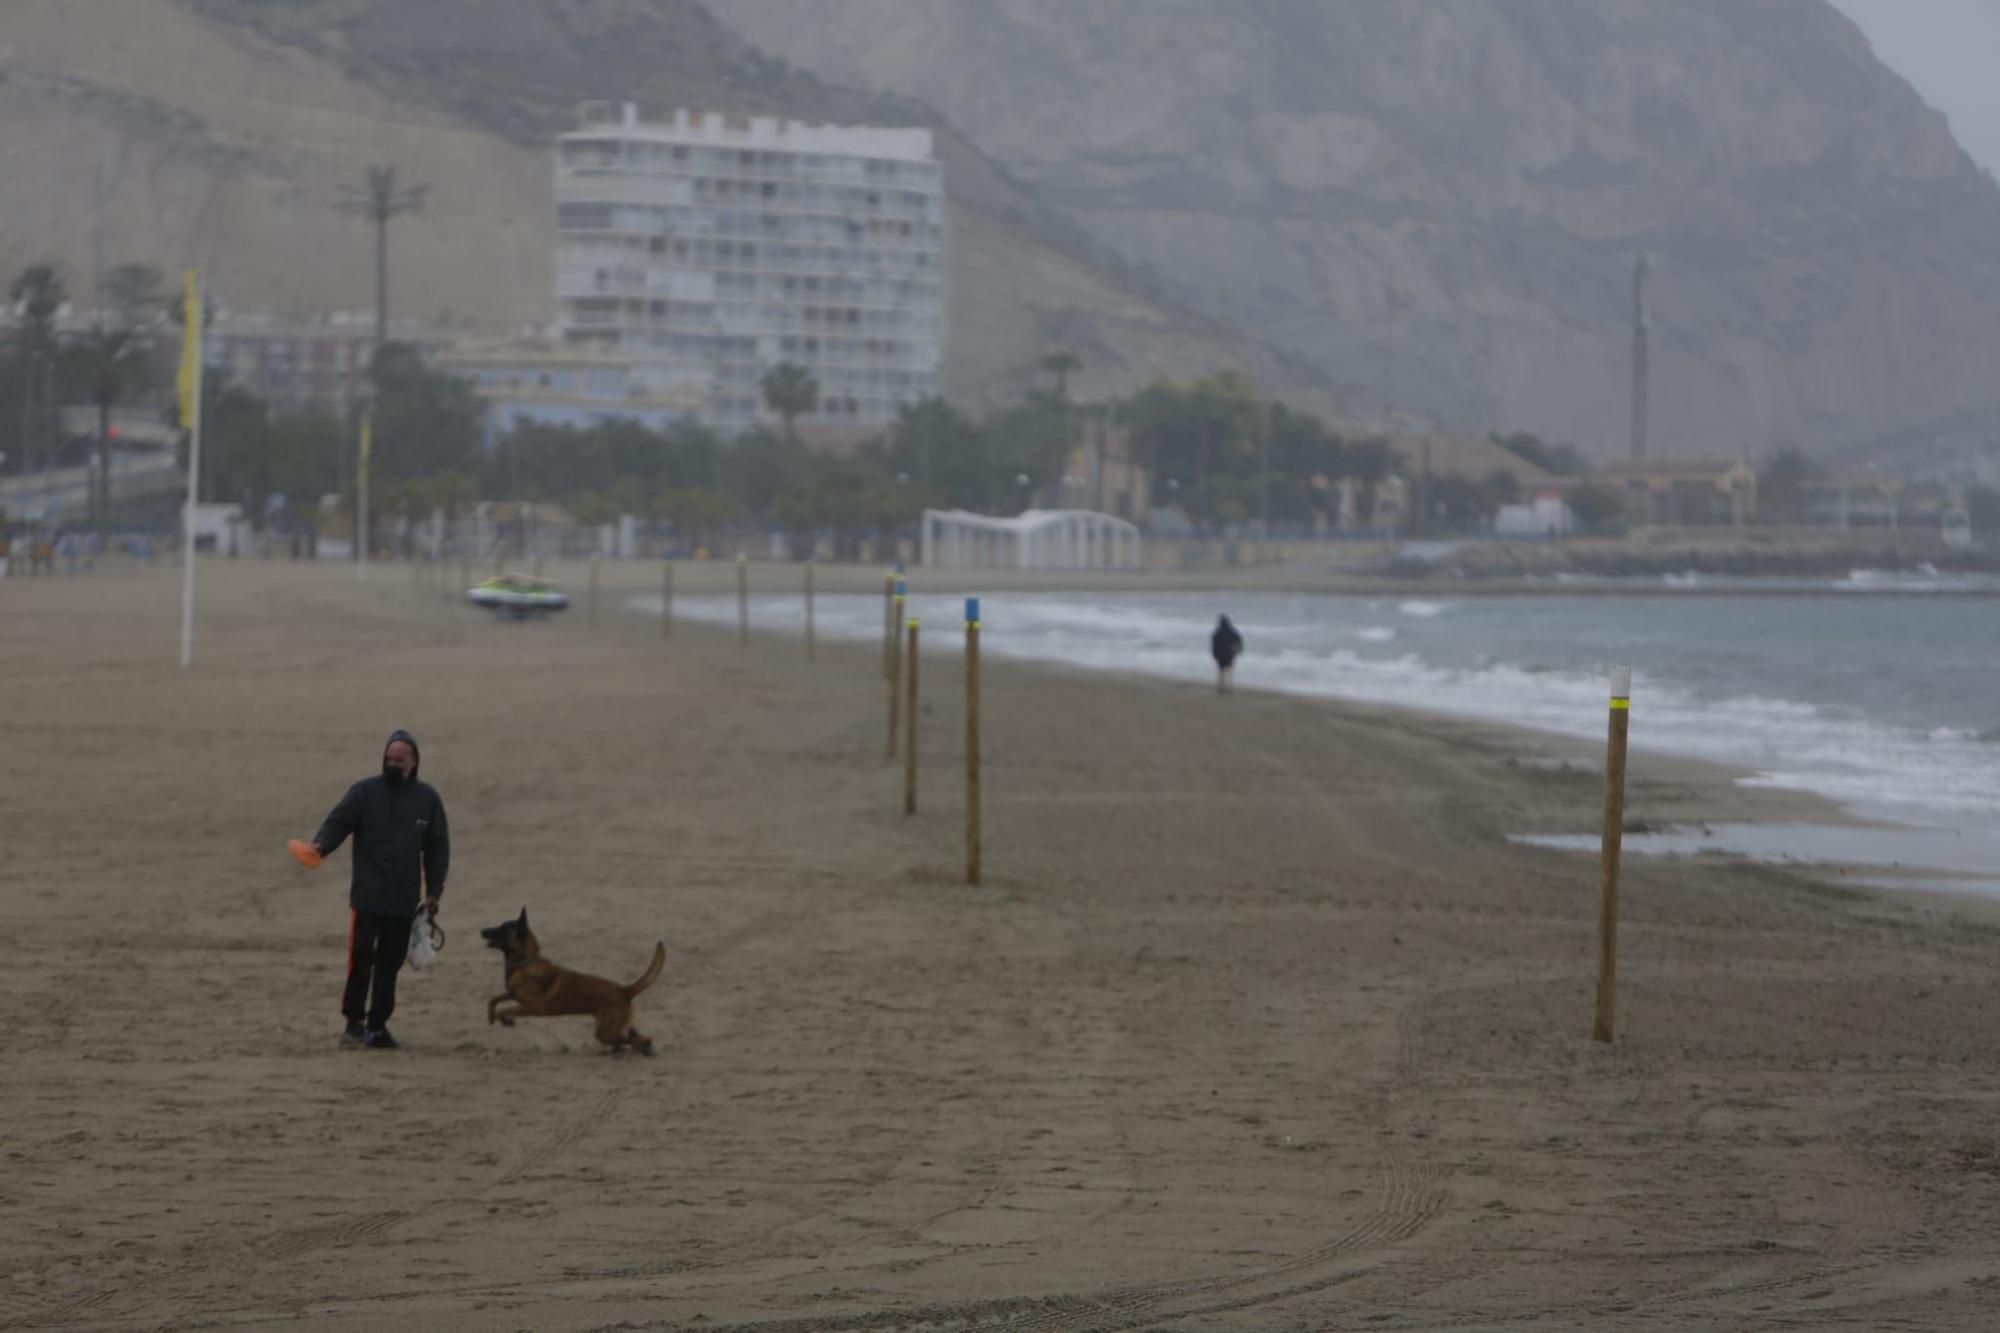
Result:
x=1264 y=434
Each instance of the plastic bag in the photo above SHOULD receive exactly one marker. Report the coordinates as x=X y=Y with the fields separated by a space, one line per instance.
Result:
x=426 y=938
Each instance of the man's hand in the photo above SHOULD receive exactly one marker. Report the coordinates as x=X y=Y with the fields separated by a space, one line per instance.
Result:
x=430 y=909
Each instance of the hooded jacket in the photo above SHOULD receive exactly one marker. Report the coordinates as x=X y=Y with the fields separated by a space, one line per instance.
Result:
x=401 y=841
x=1225 y=643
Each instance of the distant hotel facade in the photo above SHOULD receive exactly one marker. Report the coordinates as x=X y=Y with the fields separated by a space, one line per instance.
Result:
x=703 y=250
x=528 y=382
x=294 y=362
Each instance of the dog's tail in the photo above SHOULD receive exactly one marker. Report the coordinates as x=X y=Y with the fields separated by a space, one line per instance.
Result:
x=652 y=972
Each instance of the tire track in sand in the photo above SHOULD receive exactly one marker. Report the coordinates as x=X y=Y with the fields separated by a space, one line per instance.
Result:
x=197 y=1262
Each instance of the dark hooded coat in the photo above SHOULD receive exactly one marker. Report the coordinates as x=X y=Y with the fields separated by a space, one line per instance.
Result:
x=401 y=842
x=1225 y=643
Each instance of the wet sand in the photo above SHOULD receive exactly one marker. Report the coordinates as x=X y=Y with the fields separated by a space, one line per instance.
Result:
x=1258 y=1022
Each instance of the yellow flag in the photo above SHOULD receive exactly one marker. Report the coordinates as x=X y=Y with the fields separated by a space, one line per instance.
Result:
x=186 y=383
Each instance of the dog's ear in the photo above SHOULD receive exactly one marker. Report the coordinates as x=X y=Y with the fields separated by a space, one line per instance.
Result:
x=524 y=918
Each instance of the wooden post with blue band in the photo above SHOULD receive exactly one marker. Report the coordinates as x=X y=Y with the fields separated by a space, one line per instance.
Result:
x=809 y=609
x=667 y=598
x=889 y=624
x=742 y=598
x=1614 y=837
x=910 y=726
x=972 y=740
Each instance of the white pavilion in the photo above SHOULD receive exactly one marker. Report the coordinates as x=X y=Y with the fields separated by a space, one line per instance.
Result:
x=1037 y=539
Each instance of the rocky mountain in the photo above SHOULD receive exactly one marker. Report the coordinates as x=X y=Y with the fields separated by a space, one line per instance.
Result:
x=221 y=131
x=1439 y=204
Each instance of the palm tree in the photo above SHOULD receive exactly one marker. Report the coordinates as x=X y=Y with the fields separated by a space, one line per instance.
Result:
x=1060 y=363
x=37 y=294
x=106 y=359
x=111 y=355
x=791 y=391
x=379 y=201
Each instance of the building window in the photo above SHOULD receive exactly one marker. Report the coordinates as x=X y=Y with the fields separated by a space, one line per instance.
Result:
x=584 y=217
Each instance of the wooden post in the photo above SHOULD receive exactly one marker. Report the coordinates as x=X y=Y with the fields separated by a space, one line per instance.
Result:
x=809 y=610
x=742 y=598
x=595 y=561
x=666 y=599
x=1614 y=838
x=972 y=740
x=888 y=625
x=910 y=731
x=895 y=660
x=499 y=556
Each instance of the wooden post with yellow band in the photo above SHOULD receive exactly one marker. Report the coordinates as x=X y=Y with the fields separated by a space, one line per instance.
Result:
x=1614 y=837
x=972 y=740
x=910 y=726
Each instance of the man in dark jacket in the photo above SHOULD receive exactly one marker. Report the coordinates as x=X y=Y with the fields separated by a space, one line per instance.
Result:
x=1224 y=645
x=401 y=845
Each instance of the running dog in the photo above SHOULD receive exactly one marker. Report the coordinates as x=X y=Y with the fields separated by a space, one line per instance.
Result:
x=540 y=988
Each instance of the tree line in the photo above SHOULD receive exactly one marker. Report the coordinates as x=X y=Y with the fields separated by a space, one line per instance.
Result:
x=1213 y=447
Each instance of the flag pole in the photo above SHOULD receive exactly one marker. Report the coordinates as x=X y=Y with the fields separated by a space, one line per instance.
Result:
x=189 y=386
x=361 y=517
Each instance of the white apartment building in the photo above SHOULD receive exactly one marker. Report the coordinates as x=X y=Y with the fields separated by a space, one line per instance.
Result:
x=707 y=249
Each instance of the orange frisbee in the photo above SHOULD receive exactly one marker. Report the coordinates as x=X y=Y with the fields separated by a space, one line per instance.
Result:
x=302 y=852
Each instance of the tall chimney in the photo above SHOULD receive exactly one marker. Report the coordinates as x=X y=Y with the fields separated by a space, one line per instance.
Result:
x=1641 y=367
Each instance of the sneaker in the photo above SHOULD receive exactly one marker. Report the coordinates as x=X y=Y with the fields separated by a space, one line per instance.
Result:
x=378 y=1039
x=354 y=1036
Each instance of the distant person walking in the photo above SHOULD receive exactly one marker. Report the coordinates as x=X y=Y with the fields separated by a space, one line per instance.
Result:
x=401 y=845
x=1226 y=644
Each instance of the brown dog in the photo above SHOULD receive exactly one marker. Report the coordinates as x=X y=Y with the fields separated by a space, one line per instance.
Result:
x=540 y=988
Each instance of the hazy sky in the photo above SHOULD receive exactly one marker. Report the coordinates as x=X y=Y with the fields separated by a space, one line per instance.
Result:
x=1946 y=49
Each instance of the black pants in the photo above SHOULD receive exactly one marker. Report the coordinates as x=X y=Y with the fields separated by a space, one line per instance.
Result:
x=376 y=947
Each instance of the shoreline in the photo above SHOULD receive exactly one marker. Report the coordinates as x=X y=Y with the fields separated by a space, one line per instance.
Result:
x=1733 y=820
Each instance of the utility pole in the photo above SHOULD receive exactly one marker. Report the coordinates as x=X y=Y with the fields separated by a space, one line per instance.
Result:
x=379 y=201
x=1389 y=365
x=1641 y=362
x=1423 y=527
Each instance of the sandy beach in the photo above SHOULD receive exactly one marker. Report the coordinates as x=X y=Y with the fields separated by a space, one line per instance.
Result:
x=1259 y=1021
